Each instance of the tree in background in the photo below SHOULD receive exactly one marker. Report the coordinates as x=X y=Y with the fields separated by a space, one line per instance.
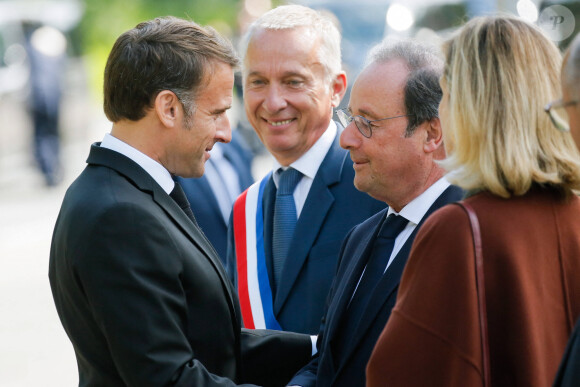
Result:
x=105 y=20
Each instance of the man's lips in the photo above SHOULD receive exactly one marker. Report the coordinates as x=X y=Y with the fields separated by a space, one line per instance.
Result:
x=359 y=161
x=279 y=122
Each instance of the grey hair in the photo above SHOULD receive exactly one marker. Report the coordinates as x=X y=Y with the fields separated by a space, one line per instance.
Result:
x=295 y=16
x=571 y=73
x=422 y=90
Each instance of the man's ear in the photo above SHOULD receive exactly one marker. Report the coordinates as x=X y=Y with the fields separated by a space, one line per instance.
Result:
x=338 y=88
x=167 y=107
x=434 y=138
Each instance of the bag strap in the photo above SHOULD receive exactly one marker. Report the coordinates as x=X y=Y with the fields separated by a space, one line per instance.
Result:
x=480 y=284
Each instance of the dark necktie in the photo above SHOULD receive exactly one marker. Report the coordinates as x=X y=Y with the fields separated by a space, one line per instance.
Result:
x=382 y=249
x=375 y=268
x=178 y=195
x=284 y=218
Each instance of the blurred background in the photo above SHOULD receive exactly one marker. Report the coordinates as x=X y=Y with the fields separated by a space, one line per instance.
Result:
x=52 y=57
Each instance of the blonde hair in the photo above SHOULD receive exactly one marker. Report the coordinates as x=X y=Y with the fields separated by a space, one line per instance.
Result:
x=500 y=72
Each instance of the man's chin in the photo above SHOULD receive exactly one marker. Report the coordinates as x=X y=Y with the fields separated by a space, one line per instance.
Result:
x=193 y=173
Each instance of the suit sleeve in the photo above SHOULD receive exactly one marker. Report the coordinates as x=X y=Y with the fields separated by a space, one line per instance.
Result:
x=270 y=358
x=129 y=276
x=569 y=370
x=306 y=377
x=434 y=327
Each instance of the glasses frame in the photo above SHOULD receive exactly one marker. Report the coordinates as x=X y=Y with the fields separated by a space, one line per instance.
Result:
x=557 y=121
x=345 y=118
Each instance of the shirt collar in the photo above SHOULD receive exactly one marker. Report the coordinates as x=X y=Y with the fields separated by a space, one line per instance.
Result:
x=310 y=161
x=152 y=167
x=416 y=209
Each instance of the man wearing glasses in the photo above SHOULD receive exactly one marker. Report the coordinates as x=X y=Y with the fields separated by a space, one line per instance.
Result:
x=287 y=228
x=565 y=114
x=394 y=136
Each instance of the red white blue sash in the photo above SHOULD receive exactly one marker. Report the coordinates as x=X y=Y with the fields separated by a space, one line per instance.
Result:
x=253 y=284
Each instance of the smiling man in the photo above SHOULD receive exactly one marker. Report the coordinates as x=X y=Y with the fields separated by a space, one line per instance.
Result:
x=139 y=289
x=287 y=229
x=394 y=137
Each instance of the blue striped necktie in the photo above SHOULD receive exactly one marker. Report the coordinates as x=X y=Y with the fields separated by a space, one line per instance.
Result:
x=284 y=219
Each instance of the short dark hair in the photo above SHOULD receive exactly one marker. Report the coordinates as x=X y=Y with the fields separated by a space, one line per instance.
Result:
x=422 y=90
x=165 y=53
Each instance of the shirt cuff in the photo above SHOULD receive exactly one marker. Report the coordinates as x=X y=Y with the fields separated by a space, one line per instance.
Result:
x=314 y=349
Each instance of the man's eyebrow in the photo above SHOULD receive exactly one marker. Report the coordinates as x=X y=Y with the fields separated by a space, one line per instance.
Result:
x=221 y=110
x=254 y=74
x=367 y=113
x=284 y=75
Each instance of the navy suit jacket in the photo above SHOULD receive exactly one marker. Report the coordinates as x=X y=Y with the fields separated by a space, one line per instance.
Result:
x=203 y=201
x=348 y=368
x=569 y=370
x=142 y=294
x=333 y=206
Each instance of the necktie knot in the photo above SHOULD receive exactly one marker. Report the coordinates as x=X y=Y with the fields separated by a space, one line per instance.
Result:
x=392 y=226
x=288 y=181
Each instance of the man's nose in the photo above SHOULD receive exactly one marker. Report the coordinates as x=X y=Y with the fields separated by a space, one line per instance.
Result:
x=275 y=99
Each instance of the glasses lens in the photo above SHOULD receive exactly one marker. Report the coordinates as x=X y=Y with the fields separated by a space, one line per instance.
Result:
x=559 y=117
x=362 y=126
x=343 y=117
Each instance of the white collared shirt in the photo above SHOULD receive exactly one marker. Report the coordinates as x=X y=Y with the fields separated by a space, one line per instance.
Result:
x=414 y=211
x=152 y=167
x=223 y=180
x=308 y=165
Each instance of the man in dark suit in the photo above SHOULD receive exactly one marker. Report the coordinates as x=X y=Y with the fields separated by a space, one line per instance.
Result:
x=140 y=291
x=227 y=173
x=395 y=138
x=284 y=258
x=565 y=114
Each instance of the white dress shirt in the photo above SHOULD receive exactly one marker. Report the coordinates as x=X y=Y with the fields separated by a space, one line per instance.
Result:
x=152 y=167
x=414 y=211
x=308 y=165
x=223 y=180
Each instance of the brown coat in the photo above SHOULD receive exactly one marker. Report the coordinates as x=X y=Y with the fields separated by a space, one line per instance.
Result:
x=531 y=253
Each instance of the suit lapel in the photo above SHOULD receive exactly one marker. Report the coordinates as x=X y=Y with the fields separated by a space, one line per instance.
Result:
x=390 y=281
x=318 y=203
x=144 y=182
x=349 y=277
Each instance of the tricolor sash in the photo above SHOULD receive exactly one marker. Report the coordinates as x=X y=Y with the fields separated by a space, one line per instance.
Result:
x=254 y=289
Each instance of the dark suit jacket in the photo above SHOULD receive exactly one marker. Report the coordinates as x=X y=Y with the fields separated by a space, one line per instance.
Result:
x=333 y=207
x=569 y=371
x=204 y=203
x=142 y=294
x=348 y=368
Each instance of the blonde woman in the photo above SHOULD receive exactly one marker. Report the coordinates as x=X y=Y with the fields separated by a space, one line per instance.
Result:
x=521 y=174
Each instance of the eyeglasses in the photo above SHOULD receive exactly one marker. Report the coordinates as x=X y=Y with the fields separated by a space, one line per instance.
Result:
x=363 y=125
x=558 y=115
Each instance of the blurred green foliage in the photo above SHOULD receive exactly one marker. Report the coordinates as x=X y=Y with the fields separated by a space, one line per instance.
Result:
x=105 y=20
